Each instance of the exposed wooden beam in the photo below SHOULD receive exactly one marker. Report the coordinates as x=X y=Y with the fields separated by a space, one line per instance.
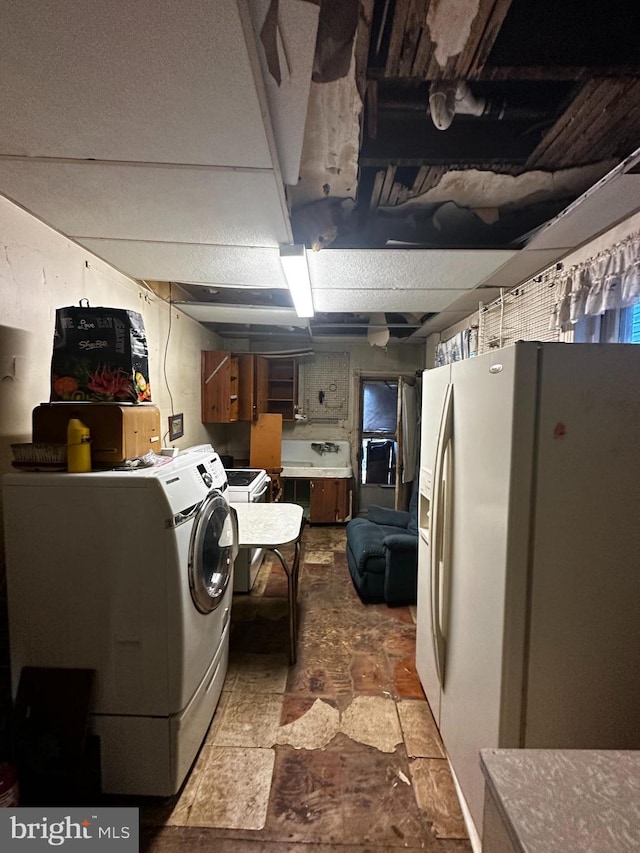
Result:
x=387 y=185
x=424 y=50
x=397 y=37
x=363 y=38
x=372 y=109
x=375 y=192
x=419 y=180
x=393 y=195
x=416 y=21
x=553 y=72
x=479 y=53
x=483 y=30
x=600 y=123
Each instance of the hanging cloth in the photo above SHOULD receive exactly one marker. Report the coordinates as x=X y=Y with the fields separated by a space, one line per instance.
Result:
x=409 y=414
x=631 y=275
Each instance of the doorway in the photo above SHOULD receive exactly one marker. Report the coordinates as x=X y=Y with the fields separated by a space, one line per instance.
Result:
x=378 y=442
x=388 y=438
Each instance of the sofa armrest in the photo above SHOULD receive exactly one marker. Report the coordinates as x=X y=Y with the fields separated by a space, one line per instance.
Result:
x=401 y=543
x=388 y=517
x=401 y=573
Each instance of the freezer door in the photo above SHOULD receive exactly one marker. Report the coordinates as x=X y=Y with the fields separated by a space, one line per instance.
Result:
x=493 y=414
x=434 y=390
x=584 y=674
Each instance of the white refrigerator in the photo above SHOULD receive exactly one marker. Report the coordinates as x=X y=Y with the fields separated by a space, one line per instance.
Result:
x=528 y=616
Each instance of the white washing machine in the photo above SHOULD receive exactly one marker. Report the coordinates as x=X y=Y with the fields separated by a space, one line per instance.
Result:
x=128 y=573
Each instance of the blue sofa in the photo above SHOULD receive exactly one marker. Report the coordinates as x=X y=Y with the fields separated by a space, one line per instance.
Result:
x=382 y=554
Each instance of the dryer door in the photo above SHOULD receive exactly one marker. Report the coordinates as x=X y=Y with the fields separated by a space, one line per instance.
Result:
x=214 y=545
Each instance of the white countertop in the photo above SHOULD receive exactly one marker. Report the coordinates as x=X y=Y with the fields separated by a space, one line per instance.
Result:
x=566 y=801
x=267 y=525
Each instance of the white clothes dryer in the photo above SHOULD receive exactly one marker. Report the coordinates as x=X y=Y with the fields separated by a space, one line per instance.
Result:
x=128 y=573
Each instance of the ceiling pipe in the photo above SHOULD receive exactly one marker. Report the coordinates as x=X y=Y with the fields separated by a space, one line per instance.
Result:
x=448 y=98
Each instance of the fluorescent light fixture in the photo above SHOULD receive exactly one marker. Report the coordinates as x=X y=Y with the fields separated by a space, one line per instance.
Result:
x=293 y=258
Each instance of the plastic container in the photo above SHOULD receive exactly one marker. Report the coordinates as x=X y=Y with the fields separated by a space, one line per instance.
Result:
x=78 y=447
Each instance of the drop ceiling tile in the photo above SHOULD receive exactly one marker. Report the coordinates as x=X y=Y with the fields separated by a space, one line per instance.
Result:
x=167 y=204
x=389 y=269
x=365 y=299
x=298 y=27
x=612 y=199
x=256 y=315
x=149 y=81
x=523 y=266
x=251 y=266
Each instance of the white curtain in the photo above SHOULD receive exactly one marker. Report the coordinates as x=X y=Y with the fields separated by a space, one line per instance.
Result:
x=609 y=280
x=409 y=431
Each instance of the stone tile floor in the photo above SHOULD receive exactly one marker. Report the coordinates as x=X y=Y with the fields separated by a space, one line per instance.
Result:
x=336 y=753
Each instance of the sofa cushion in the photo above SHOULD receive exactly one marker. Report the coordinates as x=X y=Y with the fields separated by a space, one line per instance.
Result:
x=390 y=517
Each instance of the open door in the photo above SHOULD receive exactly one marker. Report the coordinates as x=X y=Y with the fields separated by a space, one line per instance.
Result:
x=388 y=424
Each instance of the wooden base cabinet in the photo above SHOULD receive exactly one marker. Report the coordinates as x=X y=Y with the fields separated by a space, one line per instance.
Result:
x=330 y=499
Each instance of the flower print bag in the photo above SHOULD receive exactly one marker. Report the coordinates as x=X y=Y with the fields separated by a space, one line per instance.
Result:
x=100 y=355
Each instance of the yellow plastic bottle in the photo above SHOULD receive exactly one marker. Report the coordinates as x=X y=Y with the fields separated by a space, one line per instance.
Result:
x=78 y=447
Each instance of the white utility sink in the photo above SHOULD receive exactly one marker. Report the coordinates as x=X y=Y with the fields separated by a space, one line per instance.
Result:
x=316 y=458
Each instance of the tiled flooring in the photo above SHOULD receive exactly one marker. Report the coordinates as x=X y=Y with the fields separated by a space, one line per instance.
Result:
x=337 y=753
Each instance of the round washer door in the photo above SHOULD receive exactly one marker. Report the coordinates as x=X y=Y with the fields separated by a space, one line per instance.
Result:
x=213 y=550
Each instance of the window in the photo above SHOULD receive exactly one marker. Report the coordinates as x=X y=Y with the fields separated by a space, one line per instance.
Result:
x=378 y=430
x=618 y=325
x=630 y=326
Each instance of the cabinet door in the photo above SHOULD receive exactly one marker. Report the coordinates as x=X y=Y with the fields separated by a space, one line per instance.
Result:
x=330 y=500
x=234 y=389
x=246 y=387
x=260 y=402
x=217 y=369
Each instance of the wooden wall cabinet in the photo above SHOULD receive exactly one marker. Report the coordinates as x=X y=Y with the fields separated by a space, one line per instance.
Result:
x=234 y=387
x=330 y=499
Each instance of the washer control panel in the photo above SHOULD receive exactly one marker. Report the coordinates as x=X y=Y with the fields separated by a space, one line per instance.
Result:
x=212 y=473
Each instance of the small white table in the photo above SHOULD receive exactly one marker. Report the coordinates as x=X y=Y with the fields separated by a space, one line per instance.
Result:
x=270 y=526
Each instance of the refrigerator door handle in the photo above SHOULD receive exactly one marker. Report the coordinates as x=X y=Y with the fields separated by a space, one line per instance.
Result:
x=441 y=521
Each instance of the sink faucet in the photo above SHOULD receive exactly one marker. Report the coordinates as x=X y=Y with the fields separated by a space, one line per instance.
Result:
x=323 y=447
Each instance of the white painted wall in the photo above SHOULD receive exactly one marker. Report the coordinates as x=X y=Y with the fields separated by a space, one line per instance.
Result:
x=40 y=270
